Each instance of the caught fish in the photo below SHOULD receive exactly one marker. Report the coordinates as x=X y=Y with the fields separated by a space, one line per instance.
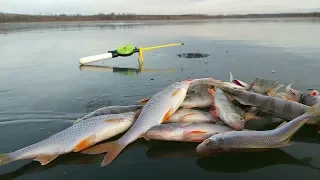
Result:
x=281 y=108
x=192 y=115
x=110 y=110
x=185 y=132
x=197 y=95
x=73 y=139
x=227 y=111
x=311 y=98
x=246 y=140
x=156 y=111
x=290 y=94
x=263 y=86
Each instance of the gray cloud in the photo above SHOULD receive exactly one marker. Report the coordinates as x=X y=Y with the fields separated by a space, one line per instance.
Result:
x=157 y=6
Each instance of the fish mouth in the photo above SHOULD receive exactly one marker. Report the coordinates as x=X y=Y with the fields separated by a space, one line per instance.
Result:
x=239 y=83
x=205 y=150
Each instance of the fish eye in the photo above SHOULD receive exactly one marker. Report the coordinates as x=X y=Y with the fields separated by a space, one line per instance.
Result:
x=206 y=142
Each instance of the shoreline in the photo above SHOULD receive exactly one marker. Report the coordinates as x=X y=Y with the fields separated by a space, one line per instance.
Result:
x=22 y=18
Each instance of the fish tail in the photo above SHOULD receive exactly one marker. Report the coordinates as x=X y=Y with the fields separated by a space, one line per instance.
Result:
x=143 y=101
x=273 y=91
x=211 y=92
x=314 y=110
x=113 y=149
x=5 y=159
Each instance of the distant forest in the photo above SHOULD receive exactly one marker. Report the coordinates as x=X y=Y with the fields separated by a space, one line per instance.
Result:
x=7 y=17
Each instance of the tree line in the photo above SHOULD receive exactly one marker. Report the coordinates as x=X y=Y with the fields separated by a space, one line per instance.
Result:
x=7 y=17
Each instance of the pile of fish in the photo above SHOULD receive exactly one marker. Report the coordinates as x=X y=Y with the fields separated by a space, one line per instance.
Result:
x=176 y=114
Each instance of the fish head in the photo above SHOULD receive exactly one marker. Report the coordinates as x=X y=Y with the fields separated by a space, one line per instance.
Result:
x=165 y=131
x=183 y=85
x=210 y=145
x=293 y=94
x=231 y=88
x=234 y=120
x=311 y=98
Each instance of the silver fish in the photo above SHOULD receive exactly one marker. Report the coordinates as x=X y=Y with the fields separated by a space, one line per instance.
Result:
x=157 y=110
x=227 y=111
x=192 y=115
x=185 y=132
x=110 y=110
x=73 y=139
x=244 y=140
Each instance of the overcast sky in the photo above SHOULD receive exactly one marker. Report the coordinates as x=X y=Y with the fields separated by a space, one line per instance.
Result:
x=157 y=6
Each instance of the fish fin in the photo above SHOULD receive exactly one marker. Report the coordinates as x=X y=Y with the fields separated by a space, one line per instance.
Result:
x=273 y=91
x=288 y=98
x=214 y=113
x=167 y=115
x=176 y=92
x=288 y=88
x=314 y=110
x=144 y=100
x=231 y=77
x=195 y=136
x=211 y=92
x=283 y=144
x=250 y=115
x=187 y=106
x=5 y=159
x=113 y=151
x=115 y=120
x=283 y=123
x=145 y=137
x=87 y=142
x=46 y=159
x=197 y=132
x=78 y=120
x=137 y=114
x=186 y=115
